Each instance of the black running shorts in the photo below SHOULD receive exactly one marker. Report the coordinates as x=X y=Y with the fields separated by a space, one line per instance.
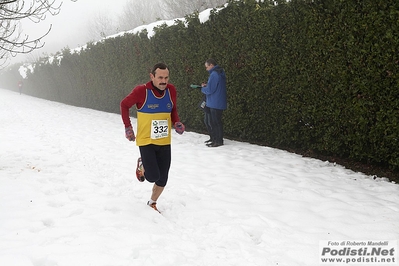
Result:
x=156 y=161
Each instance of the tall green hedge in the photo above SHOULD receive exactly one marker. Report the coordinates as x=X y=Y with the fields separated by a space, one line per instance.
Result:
x=317 y=75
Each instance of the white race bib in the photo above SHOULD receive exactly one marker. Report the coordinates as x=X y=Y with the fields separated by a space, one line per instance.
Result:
x=159 y=129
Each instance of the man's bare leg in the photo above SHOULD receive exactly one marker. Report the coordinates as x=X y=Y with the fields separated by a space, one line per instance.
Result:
x=156 y=192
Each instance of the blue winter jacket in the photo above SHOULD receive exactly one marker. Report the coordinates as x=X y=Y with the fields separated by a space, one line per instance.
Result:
x=215 y=89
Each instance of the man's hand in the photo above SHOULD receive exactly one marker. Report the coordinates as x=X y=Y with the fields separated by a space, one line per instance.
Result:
x=179 y=127
x=129 y=133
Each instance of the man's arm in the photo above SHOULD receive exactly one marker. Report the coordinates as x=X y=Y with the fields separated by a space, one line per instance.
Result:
x=174 y=114
x=135 y=97
x=211 y=85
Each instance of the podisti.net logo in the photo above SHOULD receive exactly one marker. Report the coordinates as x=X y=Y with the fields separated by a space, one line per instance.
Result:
x=358 y=252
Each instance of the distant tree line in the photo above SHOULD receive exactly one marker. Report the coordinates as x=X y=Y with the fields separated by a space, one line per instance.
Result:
x=137 y=12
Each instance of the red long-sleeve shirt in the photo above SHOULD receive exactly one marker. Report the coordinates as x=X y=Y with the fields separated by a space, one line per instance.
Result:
x=137 y=97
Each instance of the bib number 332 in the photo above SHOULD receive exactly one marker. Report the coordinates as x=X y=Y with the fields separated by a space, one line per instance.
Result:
x=159 y=129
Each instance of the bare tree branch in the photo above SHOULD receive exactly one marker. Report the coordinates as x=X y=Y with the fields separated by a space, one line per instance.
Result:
x=12 y=12
x=100 y=26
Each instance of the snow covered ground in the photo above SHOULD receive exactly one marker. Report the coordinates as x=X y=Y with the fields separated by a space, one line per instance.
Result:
x=69 y=196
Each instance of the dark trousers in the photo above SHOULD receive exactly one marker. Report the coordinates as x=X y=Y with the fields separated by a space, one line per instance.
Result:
x=207 y=121
x=156 y=162
x=217 y=125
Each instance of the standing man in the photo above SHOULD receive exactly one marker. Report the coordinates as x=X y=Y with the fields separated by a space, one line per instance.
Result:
x=156 y=113
x=20 y=84
x=216 y=100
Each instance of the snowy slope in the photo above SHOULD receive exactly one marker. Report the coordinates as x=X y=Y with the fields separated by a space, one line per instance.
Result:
x=68 y=196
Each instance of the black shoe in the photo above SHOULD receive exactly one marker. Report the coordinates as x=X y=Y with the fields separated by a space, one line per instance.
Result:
x=208 y=141
x=214 y=144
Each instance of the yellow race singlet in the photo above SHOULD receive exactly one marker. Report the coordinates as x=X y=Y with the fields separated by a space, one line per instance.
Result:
x=154 y=120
